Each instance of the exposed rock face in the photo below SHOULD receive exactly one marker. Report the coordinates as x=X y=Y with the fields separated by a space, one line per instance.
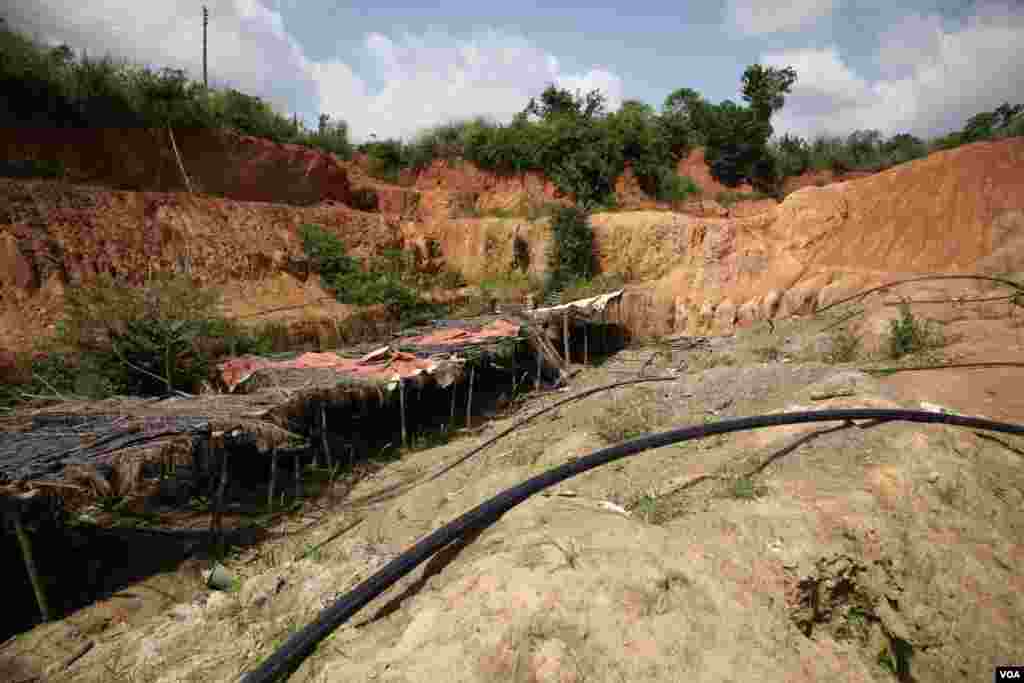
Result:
x=54 y=235
x=953 y=212
x=696 y=168
x=221 y=163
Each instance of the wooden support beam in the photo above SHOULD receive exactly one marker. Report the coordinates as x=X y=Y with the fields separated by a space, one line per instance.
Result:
x=30 y=566
x=536 y=382
x=604 y=330
x=565 y=335
x=401 y=412
x=469 y=400
x=586 y=344
x=298 y=476
x=323 y=434
x=451 y=419
x=216 y=529
x=273 y=479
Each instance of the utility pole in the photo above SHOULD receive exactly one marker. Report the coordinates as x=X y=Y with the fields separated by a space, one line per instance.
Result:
x=206 y=18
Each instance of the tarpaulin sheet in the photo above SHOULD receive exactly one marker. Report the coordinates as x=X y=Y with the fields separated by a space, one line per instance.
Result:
x=383 y=363
x=588 y=305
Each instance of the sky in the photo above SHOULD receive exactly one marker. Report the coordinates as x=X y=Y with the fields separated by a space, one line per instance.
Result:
x=394 y=68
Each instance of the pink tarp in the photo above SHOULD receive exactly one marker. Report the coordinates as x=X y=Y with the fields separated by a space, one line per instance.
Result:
x=383 y=362
x=458 y=335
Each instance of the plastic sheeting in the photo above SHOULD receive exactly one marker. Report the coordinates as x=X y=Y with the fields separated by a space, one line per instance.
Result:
x=384 y=364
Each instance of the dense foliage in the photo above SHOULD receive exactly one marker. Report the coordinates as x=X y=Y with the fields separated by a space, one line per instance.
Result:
x=42 y=86
x=571 y=255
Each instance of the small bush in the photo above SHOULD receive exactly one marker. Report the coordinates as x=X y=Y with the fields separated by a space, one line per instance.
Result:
x=675 y=188
x=743 y=488
x=142 y=340
x=909 y=335
x=391 y=279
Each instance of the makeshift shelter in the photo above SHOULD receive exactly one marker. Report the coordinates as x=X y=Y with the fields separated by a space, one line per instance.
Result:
x=298 y=407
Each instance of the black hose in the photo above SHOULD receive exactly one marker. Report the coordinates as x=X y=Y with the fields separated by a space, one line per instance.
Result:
x=404 y=487
x=301 y=644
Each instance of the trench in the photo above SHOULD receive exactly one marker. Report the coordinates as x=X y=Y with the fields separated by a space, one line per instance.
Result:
x=80 y=564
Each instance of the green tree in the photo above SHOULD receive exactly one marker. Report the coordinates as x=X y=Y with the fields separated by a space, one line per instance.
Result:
x=681 y=115
x=572 y=247
x=765 y=88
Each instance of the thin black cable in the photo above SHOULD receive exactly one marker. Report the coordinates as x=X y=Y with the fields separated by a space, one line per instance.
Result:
x=301 y=644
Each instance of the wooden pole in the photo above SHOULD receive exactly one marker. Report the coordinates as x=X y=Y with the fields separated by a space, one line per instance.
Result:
x=565 y=335
x=216 y=527
x=273 y=479
x=323 y=434
x=604 y=330
x=469 y=400
x=401 y=412
x=451 y=420
x=30 y=566
x=536 y=382
x=586 y=344
x=298 y=477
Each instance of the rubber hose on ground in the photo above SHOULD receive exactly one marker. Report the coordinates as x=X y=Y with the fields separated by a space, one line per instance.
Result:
x=302 y=643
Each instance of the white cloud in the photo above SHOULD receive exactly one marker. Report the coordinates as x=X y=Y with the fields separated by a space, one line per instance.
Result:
x=933 y=78
x=433 y=78
x=759 y=16
x=427 y=79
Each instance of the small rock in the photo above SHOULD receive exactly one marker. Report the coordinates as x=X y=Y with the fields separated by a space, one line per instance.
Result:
x=933 y=477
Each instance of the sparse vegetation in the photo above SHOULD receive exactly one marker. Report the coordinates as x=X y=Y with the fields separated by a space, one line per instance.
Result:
x=743 y=488
x=622 y=421
x=908 y=335
x=728 y=199
x=846 y=346
x=582 y=288
x=117 y=338
x=391 y=279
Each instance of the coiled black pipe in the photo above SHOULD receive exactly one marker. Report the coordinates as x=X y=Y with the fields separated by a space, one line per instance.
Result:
x=302 y=643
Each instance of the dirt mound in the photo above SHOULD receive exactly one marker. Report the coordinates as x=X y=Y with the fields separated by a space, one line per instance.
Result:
x=221 y=163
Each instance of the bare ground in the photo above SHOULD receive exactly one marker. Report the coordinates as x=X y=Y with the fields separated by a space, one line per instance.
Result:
x=800 y=553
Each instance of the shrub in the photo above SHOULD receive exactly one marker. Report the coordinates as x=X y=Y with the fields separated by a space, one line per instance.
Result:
x=145 y=339
x=386 y=280
x=909 y=335
x=572 y=247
